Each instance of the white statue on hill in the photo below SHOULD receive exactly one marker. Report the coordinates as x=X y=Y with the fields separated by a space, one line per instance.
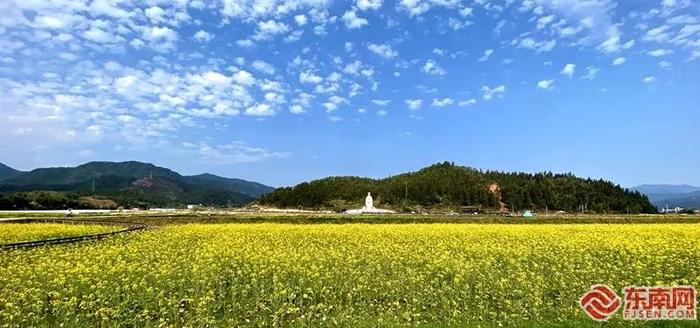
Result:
x=369 y=207
x=369 y=202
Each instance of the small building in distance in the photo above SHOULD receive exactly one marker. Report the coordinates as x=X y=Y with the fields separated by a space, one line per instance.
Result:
x=674 y=210
x=471 y=209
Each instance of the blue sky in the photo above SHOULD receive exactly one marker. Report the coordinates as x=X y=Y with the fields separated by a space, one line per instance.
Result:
x=285 y=91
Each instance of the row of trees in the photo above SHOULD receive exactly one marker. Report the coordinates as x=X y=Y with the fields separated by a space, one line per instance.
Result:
x=125 y=191
x=448 y=185
x=43 y=200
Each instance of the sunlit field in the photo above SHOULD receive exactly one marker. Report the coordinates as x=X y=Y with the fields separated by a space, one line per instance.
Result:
x=18 y=232
x=227 y=275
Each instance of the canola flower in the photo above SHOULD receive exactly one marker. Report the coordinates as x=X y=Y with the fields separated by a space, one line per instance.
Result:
x=351 y=275
x=17 y=232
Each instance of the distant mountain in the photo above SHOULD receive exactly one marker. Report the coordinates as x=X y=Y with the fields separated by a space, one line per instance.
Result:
x=7 y=172
x=663 y=195
x=88 y=171
x=689 y=200
x=665 y=189
x=448 y=186
x=247 y=187
x=129 y=184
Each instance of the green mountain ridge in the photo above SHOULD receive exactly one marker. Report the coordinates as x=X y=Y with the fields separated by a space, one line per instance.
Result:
x=446 y=185
x=686 y=200
x=8 y=172
x=671 y=196
x=126 y=184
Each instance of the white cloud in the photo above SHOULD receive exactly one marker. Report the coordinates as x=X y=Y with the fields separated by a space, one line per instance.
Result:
x=542 y=22
x=155 y=14
x=203 y=36
x=648 y=79
x=442 y=102
x=383 y=50
x=547 y=85
x=107 y=8
x=245 y=43
x=160 y=38
x=414 y=104
x=489 y=92
x=369 y=4
x=296 y=109
x=333 y=102
x=269 y=28
x=309 y=77
x=664 y=64
x=657 y=34
x=301 y=103
x=250 y=9
x=660 y=52
x=216 y=78
x=466 y=11
x=381 y=102
x=433 y=68
x=353 y=68
x=687 y=31
x=612 y=43
x=329 y=106
x=382 y=112
x=67 y=56
x=123 y=83
x=468 y=102
x=539 y=46
x=50 y=22
x=244 y=78
x=234 y=153
x=418 y=7
x=156 y=33
x=591 y=73
x=619 y=61
x=99 y=35
x=456 y=24
x=300 y=20
x=352 y=21
x=568 y=70
x=263 y=67
x=260 y=110
x=486 y=55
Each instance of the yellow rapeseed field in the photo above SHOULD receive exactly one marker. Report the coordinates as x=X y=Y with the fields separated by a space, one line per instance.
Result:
x=17 y=232
x=351 y=275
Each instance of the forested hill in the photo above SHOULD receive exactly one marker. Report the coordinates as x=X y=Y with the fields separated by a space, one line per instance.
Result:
x=7 y=172
x=128 y=184
x=446 y=185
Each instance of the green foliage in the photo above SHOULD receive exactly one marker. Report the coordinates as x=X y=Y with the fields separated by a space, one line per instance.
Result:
x=446 y=185
x=130 y=184
x=7 y=172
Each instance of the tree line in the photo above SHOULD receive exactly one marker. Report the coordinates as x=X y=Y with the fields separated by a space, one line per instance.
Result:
x=446 y=185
